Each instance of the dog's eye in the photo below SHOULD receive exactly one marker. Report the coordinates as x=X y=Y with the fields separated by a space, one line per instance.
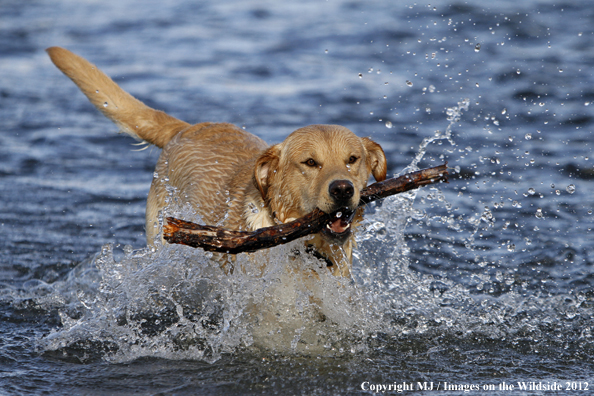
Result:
x=310 y=162
x=353 y=159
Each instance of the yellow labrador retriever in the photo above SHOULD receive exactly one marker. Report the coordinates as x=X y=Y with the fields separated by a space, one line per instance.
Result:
x=234 y=179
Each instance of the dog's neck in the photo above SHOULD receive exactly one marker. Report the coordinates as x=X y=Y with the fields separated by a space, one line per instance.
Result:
x=259 y=214
x=256 y=213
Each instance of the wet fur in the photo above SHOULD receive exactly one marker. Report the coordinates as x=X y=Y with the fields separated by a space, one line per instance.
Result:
x=231 y=177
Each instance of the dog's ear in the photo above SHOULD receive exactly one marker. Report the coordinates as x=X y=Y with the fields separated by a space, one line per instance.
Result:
x=376 y=159
x=265 y=169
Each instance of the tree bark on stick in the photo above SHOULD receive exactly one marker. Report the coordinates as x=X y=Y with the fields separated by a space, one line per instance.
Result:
x=217 y=239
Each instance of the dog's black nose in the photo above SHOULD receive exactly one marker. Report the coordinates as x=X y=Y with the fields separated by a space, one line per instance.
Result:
x=341 y=190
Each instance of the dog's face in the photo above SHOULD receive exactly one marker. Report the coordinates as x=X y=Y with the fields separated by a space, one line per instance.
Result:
x=319 y=166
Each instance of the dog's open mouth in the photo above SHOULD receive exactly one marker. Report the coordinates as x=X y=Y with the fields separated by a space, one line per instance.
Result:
x=339 y=226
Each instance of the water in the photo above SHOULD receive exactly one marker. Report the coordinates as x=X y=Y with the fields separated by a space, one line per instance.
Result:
x=485 y=280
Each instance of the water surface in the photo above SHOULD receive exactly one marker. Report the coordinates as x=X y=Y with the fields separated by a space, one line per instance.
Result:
x=485 y=280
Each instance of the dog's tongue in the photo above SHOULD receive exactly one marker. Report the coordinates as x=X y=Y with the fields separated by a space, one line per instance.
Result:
x=339 y=225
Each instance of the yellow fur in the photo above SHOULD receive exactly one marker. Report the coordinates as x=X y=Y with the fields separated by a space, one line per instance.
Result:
x=232 y=177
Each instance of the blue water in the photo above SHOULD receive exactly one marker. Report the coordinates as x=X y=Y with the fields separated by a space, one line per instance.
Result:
x=485 y=280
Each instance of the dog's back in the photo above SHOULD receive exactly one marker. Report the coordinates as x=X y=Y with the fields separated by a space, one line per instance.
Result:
x=211 y=165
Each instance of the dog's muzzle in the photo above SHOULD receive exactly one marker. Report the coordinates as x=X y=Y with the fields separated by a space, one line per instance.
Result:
x=338 y=228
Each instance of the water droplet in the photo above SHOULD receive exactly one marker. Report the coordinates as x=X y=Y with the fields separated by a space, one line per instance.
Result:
x=338 y=214
x=499 y=276
x=571 y=188
x=409 y=83
x=511 y=247
x=105 y=104
x=528 y=136
x=504 y=111
x=477 y=85
x=326 y=51
x=531 y=191
x=360 y=75
x=388 y=124
x=560 y=70
x=477 y=47
x=539 y=214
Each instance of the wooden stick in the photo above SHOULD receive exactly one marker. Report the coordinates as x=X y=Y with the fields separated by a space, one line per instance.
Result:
x=218 y=239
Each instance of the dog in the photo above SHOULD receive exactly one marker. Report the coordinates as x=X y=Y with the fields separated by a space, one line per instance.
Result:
x=233 y=178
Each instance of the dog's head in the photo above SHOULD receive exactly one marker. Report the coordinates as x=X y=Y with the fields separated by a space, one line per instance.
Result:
x=319 y=166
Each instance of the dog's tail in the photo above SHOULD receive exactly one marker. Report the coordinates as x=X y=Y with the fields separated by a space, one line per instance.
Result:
x=131 y=115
